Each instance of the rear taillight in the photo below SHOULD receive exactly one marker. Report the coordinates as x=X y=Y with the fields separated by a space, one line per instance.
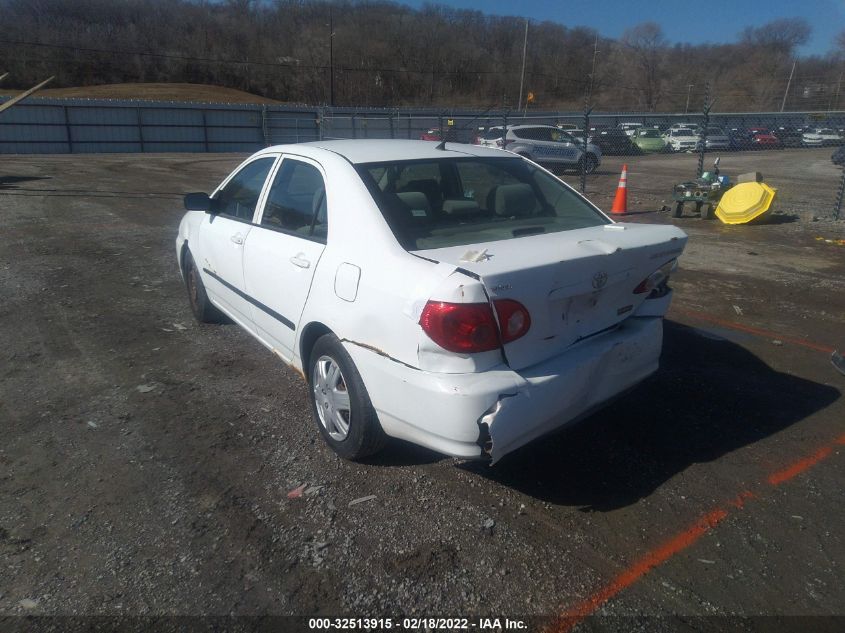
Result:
x=469 y=328
x=514 y=320
x=656 y=278
x=465 y=328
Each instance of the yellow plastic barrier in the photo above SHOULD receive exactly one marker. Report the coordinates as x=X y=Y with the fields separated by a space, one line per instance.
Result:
x=745 y=202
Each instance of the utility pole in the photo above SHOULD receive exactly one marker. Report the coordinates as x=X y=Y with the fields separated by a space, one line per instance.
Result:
x=331 y=57
x=522 y=76
x=689 y=89
x=835 y=98
x=789 y=81
x=593 y=70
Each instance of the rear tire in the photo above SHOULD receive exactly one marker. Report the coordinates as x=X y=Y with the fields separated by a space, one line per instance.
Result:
x=339 y=402
x=679 y=210
x=203 y=310
x=706 y=211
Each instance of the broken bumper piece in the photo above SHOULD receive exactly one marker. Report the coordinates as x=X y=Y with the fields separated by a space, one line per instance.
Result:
x=496 y=411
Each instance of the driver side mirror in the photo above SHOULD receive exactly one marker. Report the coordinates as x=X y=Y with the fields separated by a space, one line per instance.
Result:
x=199 y=201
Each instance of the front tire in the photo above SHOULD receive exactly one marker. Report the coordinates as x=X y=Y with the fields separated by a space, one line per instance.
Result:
x=340 y=403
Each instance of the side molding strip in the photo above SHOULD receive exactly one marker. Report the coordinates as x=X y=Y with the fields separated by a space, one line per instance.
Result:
x=281 y=319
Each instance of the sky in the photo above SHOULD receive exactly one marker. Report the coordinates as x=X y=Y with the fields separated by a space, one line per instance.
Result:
x=684 y=21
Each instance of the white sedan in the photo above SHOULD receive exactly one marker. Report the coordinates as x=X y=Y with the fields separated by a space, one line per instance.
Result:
x=820 y=137
x=458 y=297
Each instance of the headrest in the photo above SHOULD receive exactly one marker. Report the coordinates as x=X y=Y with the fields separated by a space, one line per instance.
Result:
x=514 y=200
x=460 y=207
x=417 y=204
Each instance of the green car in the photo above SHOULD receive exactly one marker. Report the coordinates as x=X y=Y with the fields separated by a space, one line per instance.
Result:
x=649 y=140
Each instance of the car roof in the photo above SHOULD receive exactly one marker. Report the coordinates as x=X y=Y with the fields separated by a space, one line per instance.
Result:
x=382 y=150
x=520 y=126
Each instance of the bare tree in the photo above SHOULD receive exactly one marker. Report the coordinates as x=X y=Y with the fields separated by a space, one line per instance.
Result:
x=646 y=46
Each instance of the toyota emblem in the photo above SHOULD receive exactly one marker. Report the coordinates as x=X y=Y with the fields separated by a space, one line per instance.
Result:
x=599 y=279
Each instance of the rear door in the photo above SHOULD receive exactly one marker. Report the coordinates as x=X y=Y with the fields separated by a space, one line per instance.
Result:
x=223 y=234
x=282 y=252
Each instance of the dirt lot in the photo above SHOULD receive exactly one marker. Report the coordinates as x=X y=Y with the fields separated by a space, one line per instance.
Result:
x=146 y=459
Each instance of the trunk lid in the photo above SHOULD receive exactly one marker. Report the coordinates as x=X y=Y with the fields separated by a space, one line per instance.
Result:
x=574 y=284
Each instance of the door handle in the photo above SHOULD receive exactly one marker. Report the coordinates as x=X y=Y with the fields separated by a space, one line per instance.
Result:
x=237 y=238
x=296 y=260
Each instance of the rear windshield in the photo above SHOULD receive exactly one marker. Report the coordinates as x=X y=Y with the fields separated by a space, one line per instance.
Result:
x=492 y=134
x=457 y=201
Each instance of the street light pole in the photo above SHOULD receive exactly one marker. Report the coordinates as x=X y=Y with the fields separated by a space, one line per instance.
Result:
x=331 y=57
x=689 y=89
x=788 y=83
x=593 y=69
x=522 y=75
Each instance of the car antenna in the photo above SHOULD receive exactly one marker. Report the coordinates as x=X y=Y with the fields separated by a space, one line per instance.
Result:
x=441 y=146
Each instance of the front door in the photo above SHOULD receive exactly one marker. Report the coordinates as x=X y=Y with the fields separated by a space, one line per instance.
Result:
x=223 y=234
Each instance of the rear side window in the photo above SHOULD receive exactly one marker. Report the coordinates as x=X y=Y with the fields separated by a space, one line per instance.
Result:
x=476 y=200
x=240 y=195
x=296 y=202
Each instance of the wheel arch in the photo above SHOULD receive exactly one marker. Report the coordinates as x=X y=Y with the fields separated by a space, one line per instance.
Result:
x=307 y=338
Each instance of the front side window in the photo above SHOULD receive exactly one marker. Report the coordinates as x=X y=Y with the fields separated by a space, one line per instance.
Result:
x=240 y=195
x=476 y=200
x=296 y=202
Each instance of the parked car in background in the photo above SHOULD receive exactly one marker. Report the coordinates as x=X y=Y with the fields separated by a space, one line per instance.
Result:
x=431 y=135
x=765 y=140
x=821 y=137
x=650 y=140
x=452 y=134
x=682 y=139
x=614 y=141
x=630 y=129
x=681 y=126
x=789 y=136
x=459 y=298
x=717 y=139
x=740 y=139
x=544 y=144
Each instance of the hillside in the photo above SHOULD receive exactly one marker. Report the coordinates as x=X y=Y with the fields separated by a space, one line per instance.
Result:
x=151 y=92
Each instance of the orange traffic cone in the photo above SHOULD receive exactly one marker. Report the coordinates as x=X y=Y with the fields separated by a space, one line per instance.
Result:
x=620 y=202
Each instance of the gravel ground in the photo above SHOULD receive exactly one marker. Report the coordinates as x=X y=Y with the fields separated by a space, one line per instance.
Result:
x=146 y=460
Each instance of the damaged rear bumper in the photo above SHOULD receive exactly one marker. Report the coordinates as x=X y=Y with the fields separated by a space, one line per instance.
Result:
x=496 y=411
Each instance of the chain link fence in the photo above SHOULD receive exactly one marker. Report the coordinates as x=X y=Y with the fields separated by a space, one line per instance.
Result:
x=792 y=152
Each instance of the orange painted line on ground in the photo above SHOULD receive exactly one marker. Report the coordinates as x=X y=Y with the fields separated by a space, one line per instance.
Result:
x=799 y=467
x=701 y=316
x=639 y=569
x=573 y=616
